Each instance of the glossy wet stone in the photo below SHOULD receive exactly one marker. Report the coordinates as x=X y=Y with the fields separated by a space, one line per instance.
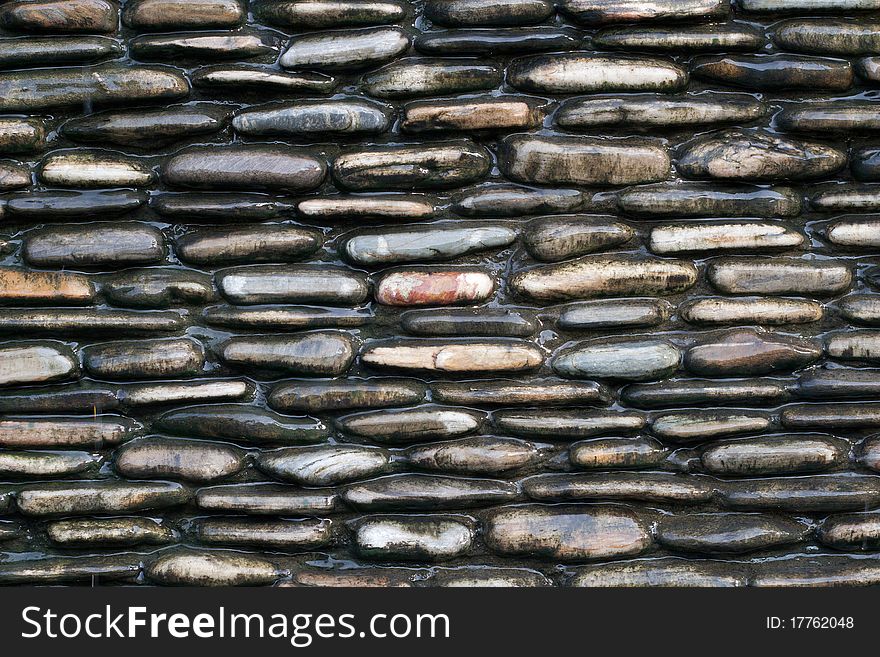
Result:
x=244 y=166
x=410 y=425
x=238 y=78
x=711 y=37
x=858 y=233
x=704 y=391
x=14 y=175
x=59 y=398
x=294 y=284
x=466 y=321
x=600 y=276
x=829 y=36
x=608 y=453
x=614 y=313
x=847 y=196
x=345 y=49
x=574 y=72
x=203 y=46
x=153 y=394
x=592 y=12
x=62 y=205
x=765 y=311
x=266 y=499
x=814 y=493
x=458 y=13
x=144 y=359
x=506 y=114
x=746 y=352
x=103 y=532
x=412 y=537
x=860 y=309
x=394 y=207
x=48 y=432
x=823 y=384
x=655 y=487
x=667 y=572
x=147 y=127
x=20 y=286
x=45 y=464
x=330 y=13
x=757 y=155
x=480 y=455
x=723 y=236
x=513 y=200
x=24 y=91
x=868 y=68
x=814 y=5
x=567 y=533
x=266 y=534
x=771 y=72
x=483 y=576
x=241 y=423
x=695 y=199
x=308 y=117
x=218 y=206
x=469 y=356
x=71 y=570
x=22 y=135
x=316 y=397
x=411 y=77
x=855 y=345
x=190 y=568
x=324 y=465
x=566 y=424
x=851 y=531
x=443 y=164
x=853 y=116
x=628 y=360
x=778 y=276
x=191 y=460
x=102 y=497
x=500 y=40
x=561 y=237
x=158 y=288
x=441 y=242
x=95 y=245
x=582 y=160
x=831 y=416
x=162 y=15
x=785 y=454
x=728 y=532
x=88 y=320
x=415 y=492
x=267 y=243
x=434 y=288
x=694 y=426
x=19 y=52
x=658 y=111
x=327 y=353
x=58 y=16
x=544 y=392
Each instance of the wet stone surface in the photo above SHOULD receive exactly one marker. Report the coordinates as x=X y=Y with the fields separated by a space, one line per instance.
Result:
x=440 y=293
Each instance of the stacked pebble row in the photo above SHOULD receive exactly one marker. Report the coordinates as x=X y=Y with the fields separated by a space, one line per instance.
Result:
x=441 y=293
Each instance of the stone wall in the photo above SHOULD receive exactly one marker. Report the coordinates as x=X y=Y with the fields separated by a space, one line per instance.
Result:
x=455 y=292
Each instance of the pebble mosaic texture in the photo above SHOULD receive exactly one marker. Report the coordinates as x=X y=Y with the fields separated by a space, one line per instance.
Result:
x=441 y=293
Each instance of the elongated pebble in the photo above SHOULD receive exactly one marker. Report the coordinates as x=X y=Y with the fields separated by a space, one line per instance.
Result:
x=815 y=493
x=764 y=311
x=241 y=423
x=280 y=534
x=264 y=243
x=721 y=236
x=424 y=244
x=729 y=533
x=319 y=353
x=726 y=392
x=614 y=453
x=410 y=425
x=631 y=360
x=434 y=288
x=102 y=497
x=292 y=284
x=190 y=568
x=775 y=455
x=695 y=426
x=412 y=537
x=418 y=492
x=778 y=276
x=653 y=487
x=266 y=499
x=190 y=460
x=665 y=572
x=469 y=356
x=36 y=362
x=417 y=76
x=324 y=465
x=543 y=392
x=613 y=313
x=851 y=531
x=777 y=71
x=144 y=359
x=478 y=455
x=109 y=532
x=348 y=393
x=95 y=245
x=345 y=49
x=47 y=432
x=561 y=424
x=45 y=464
x=488 y=322
x=696 y=199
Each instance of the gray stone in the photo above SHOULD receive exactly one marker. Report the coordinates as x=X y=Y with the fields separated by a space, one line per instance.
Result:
x=614 y=453
x=746 y=352
x=816 y=493
x=95 y=245
x=148 y=359
x=90 y=321
x=567 y=424
x=319 y=353
x=421 y=538
x=786 y=454
x=728 y=532
x=94 y=431
x=778 y=276
x=238 y=78
x=409 y=167
x=487 y=322
x=345 y=49
x=342 y=117
x=242 y=423
x=191 y=460
x=561 y=237
x=851 y=531
x=267 y=534
x=847 y=197
x=833 y=417
x=83 y=570
x=150 y=394
x=266 y=499
x=778 y=71
x=349 y=393
x=479 y=455
x=598 y=12
x=330 y=13
x=513 y=200
x=416 y=492
x=723 y=236
x=712 y=37
x=567 y=533
x=824 y=384
x=324 y=465
x=158 y=288
x=602 y=276
x=574 y=72
x=764 y=311
x=430 y=76
x=204 y=46
x=36 y=362
x=292 y=284
x=582 y=160
x=45 y=465
x=477 y=114
x=189 y=568
x=652 y=487
x=263 y=243
x=460 y=13
x=98 y=497
x=109 y=532
x=169 y=15
x=411 y=424
x=22 y=135
x=53 y=50
x=639 y=360
x=842 y=116
x=64 y=205
x=393 y=207
x=687 y=392
x=244 y=166
x=614 y=313
x=666 y=572
x=439 y=242
x=696 y=426
x=506 y=392
x=26 y=91
x=84 y=168
x=694 y=199
x=59 y=16
x=496 y=41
